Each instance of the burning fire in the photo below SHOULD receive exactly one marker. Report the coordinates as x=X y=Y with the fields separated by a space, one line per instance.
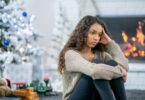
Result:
x=135 y=46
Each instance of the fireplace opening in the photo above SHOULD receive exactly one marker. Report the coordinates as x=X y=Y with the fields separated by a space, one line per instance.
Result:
x=129 y=33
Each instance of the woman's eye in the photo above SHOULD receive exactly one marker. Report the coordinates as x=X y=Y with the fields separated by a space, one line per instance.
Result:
x=92 y=32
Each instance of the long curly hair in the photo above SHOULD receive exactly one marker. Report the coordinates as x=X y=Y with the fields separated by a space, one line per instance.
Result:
x=78 y=39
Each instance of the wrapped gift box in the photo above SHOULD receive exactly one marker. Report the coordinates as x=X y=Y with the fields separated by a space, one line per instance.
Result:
x=19 y=72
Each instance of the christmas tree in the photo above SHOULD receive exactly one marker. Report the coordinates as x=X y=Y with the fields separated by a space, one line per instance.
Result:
x=16 y=34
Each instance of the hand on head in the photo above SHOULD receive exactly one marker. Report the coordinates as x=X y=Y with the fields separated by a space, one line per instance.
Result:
x=105 y=39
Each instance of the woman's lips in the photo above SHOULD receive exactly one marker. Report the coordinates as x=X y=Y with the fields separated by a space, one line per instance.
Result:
x=94 y=43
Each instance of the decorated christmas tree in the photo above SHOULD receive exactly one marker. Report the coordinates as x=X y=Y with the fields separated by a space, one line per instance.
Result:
x=16 y=34
x=17 y=39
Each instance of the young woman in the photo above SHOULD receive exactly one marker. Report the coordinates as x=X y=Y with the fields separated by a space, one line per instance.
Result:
x=92 y=65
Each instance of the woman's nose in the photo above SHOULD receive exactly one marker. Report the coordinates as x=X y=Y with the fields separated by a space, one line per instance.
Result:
x=96 y=37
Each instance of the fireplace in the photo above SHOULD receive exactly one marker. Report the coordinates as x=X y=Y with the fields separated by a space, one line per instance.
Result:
x=129 y=32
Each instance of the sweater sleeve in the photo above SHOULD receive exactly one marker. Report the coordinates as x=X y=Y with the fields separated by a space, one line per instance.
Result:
x=116 y=54
x=74 y=62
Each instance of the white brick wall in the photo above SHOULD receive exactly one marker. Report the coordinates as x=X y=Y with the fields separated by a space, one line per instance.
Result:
x=120 y=7
x=136 y=76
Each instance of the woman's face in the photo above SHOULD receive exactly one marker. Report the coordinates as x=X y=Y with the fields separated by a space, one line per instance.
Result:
x=94 y=35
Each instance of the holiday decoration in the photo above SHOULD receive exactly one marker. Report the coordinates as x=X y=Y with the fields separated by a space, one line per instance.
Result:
x=19 y=72
x=4 y=89
x=16 y=34
x=24 y=14
x=6 y=42
x=20 y=60
x=43 y=87
x=27 y=94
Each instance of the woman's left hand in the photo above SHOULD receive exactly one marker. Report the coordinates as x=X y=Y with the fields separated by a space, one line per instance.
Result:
x=105 y=39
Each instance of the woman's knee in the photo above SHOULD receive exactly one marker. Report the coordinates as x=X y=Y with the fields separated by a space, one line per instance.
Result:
x=84 y=88
x=86 y=79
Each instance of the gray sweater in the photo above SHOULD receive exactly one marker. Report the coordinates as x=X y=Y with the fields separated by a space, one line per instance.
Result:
x=76 y=64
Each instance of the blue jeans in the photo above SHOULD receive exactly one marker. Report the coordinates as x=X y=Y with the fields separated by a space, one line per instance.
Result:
x=99 y=89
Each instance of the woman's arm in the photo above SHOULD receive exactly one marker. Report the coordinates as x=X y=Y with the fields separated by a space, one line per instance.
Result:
x=74 y=62
x=116 y=54
x=114 y=50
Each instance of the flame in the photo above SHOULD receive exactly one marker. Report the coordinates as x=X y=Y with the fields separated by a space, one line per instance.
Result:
x=133 y=39
x=141 y=53
x=140 y=36
x=125 y=37
x=134 y=43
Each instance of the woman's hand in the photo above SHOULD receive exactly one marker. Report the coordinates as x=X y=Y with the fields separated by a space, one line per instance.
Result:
x=104 y=39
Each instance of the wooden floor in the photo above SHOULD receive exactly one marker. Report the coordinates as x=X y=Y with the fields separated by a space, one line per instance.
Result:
x=131 y=95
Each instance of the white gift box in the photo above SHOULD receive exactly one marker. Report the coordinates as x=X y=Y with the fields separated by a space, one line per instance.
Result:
x=19 y=72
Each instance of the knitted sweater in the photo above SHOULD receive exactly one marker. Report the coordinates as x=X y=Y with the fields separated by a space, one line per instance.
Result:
x=76 y=64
